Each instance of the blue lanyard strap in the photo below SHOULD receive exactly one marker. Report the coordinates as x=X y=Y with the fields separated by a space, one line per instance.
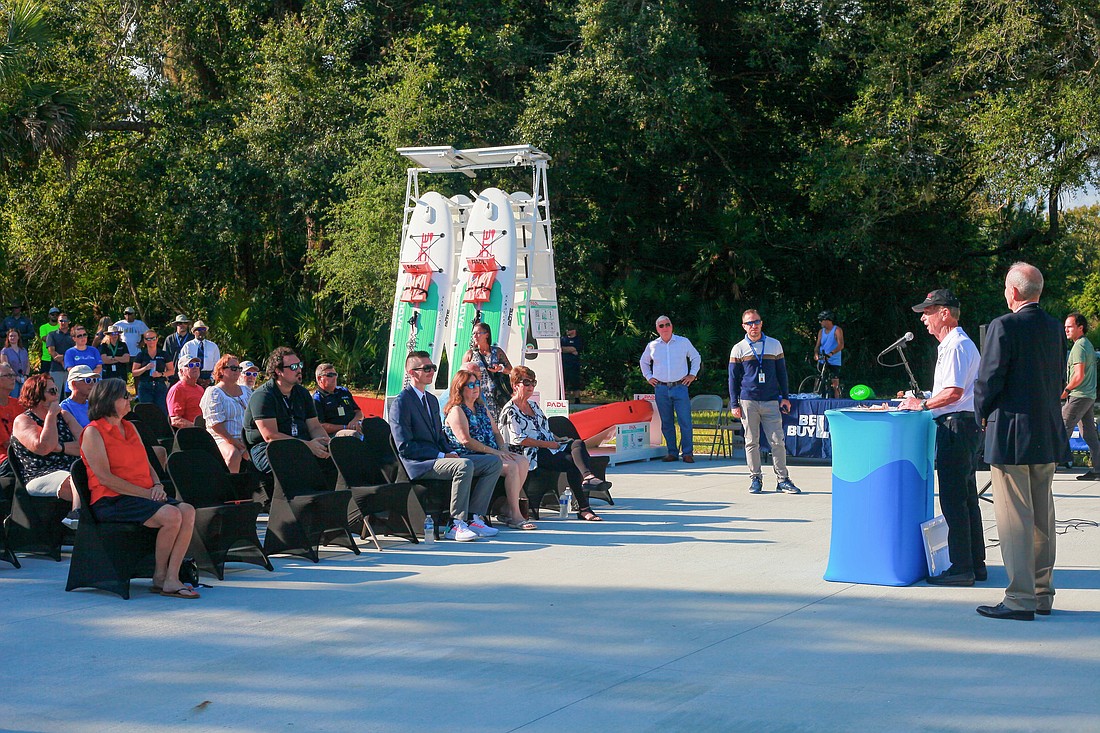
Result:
x=759 y=357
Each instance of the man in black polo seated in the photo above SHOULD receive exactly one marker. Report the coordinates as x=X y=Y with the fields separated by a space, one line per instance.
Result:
x=282 y=409
x=336 y=408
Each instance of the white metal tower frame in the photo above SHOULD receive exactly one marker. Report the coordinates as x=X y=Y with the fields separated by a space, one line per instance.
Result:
x=535 y=276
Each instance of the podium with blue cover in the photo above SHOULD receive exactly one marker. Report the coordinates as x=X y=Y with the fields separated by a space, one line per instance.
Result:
x=882 y=491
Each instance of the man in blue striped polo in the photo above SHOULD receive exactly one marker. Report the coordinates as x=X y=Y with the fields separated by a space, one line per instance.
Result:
x=758 y=397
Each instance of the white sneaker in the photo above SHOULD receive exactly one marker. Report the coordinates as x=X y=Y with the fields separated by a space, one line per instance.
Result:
x=460 y=532
x=478 y=525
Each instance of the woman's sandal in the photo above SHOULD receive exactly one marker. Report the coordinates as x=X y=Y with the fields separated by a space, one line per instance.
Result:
x=185 y=592
x=588 y=515
x=520 y=523
x=595 y=483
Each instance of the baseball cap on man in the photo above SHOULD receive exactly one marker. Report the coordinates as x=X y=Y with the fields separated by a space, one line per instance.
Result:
x=54 y=311
x=80 y=371
x=128 y=311
x=942 y=296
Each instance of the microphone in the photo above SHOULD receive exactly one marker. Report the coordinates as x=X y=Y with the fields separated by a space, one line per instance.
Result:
x=900 y=343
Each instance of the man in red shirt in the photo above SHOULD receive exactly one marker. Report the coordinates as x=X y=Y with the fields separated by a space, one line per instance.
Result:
x=185 y=395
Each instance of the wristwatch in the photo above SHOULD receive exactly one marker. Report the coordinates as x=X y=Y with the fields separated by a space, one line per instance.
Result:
x=923 y=405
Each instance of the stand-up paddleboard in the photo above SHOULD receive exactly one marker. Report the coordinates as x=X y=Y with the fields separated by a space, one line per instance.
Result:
x=424 y=282
x=598 y=419
x=486 y=274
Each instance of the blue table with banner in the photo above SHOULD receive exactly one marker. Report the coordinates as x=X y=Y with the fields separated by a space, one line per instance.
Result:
x=806 y=429
x=883 y=483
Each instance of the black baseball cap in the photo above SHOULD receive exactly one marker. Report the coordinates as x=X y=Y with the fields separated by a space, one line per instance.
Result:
x=943 y=296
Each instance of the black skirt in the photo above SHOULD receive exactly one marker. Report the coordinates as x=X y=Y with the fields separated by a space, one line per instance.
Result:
x=134 y=509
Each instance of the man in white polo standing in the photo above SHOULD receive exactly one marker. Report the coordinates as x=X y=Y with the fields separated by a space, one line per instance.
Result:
x=670 y=363
x=758 y=397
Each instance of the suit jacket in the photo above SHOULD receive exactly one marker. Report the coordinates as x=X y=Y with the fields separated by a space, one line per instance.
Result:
x=418 y=435
x=1018 y=389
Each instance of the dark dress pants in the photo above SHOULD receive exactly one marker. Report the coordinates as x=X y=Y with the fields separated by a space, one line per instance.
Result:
x=957 y=437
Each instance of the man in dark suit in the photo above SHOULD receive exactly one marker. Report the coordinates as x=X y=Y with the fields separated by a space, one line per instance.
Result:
x=426 y=453
x=1016 y=397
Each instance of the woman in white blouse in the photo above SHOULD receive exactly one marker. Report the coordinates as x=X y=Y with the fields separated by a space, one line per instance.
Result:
x=223 y=407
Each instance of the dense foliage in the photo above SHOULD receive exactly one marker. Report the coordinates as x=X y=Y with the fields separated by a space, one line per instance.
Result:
x=235 y=160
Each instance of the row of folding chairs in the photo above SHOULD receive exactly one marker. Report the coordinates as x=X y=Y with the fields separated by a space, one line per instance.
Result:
x=308 y=508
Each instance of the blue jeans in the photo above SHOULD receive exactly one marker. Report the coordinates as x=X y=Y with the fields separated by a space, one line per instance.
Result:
x=670 y=399
x=153 y=393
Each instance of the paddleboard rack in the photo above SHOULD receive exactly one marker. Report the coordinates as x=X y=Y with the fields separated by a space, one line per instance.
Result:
x=535 y=331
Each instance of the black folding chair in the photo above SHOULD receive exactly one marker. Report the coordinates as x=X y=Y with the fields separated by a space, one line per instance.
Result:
x=376 y=433
x=433 y=496
x=563 y=426
x=360 y=468
x=34 y=526
x=225 y=523
x=8 y=488
x=305 y=512
x=157 y=423
x=246 y=484
x=149 y=440
x=107 y=555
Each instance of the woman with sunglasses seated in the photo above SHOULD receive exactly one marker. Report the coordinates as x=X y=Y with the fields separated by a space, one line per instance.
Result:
x=471 y=430
x=125 y=487
x=223 y=407
x=44 y=442
x=527 y=428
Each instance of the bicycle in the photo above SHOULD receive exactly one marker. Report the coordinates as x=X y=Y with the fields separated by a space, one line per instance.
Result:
x=818 y=383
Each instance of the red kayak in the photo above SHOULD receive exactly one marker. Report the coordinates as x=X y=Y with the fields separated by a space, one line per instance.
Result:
x=596 y=420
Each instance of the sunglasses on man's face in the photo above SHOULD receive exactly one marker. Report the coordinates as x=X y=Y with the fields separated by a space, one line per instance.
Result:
x=295 y=367
x=426 y=368
x=328 y=375
x=193 y=365
x=62 y=320
x=252 y=374
x=88 y=380
x=80 y=335
x=757 y=322
x=200 y=330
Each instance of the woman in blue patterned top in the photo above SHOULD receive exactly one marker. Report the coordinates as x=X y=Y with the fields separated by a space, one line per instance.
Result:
x=471 y=430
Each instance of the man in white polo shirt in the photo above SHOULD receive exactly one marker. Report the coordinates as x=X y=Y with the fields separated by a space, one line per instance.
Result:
x=670 y=363
x=957 y=436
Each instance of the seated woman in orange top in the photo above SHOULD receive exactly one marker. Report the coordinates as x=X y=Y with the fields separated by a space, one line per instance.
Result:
x=124 y=486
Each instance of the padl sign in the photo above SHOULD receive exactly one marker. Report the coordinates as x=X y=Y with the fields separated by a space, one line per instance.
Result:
x=556 y=408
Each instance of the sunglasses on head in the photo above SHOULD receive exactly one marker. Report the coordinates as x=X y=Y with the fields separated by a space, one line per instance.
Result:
x=295 y=367
x=528 y=382
x=426 y=368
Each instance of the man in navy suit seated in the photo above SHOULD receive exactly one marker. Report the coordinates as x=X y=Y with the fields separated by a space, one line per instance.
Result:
x=426 y=453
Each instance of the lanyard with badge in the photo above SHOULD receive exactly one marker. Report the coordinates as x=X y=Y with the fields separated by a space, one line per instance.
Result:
x=760 y=376
x=293 y=422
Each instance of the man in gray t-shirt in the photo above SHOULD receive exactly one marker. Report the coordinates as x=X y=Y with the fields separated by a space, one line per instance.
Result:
x=1080 y=393
x=57 y=343
x=133 y=328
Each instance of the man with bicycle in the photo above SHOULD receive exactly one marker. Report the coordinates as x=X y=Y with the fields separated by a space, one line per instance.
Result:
x=957 y=437
x=758 y=397
x=830 y=342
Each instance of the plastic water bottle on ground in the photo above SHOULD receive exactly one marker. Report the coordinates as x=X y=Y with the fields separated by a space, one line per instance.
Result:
x=429 y=530
x=564 y=500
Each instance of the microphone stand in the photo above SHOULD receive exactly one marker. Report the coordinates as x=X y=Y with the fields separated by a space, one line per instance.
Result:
x=912 y=380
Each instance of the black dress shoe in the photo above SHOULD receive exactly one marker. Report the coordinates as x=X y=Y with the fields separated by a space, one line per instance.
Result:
x=952 y=577
x=1090 y=476
x=980 y=573
x=670 y=458
x=1003 y=611
x=1042 y=611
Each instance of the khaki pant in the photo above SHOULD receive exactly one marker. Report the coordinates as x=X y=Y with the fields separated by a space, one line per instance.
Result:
x=757 y=416
x=1024 y=505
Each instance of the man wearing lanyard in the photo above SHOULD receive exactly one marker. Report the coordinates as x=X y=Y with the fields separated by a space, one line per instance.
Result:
x=957 y=436
x=670 y=363
x=758 y=392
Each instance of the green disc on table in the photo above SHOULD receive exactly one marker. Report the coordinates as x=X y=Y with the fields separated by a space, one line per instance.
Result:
x=861 y=392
